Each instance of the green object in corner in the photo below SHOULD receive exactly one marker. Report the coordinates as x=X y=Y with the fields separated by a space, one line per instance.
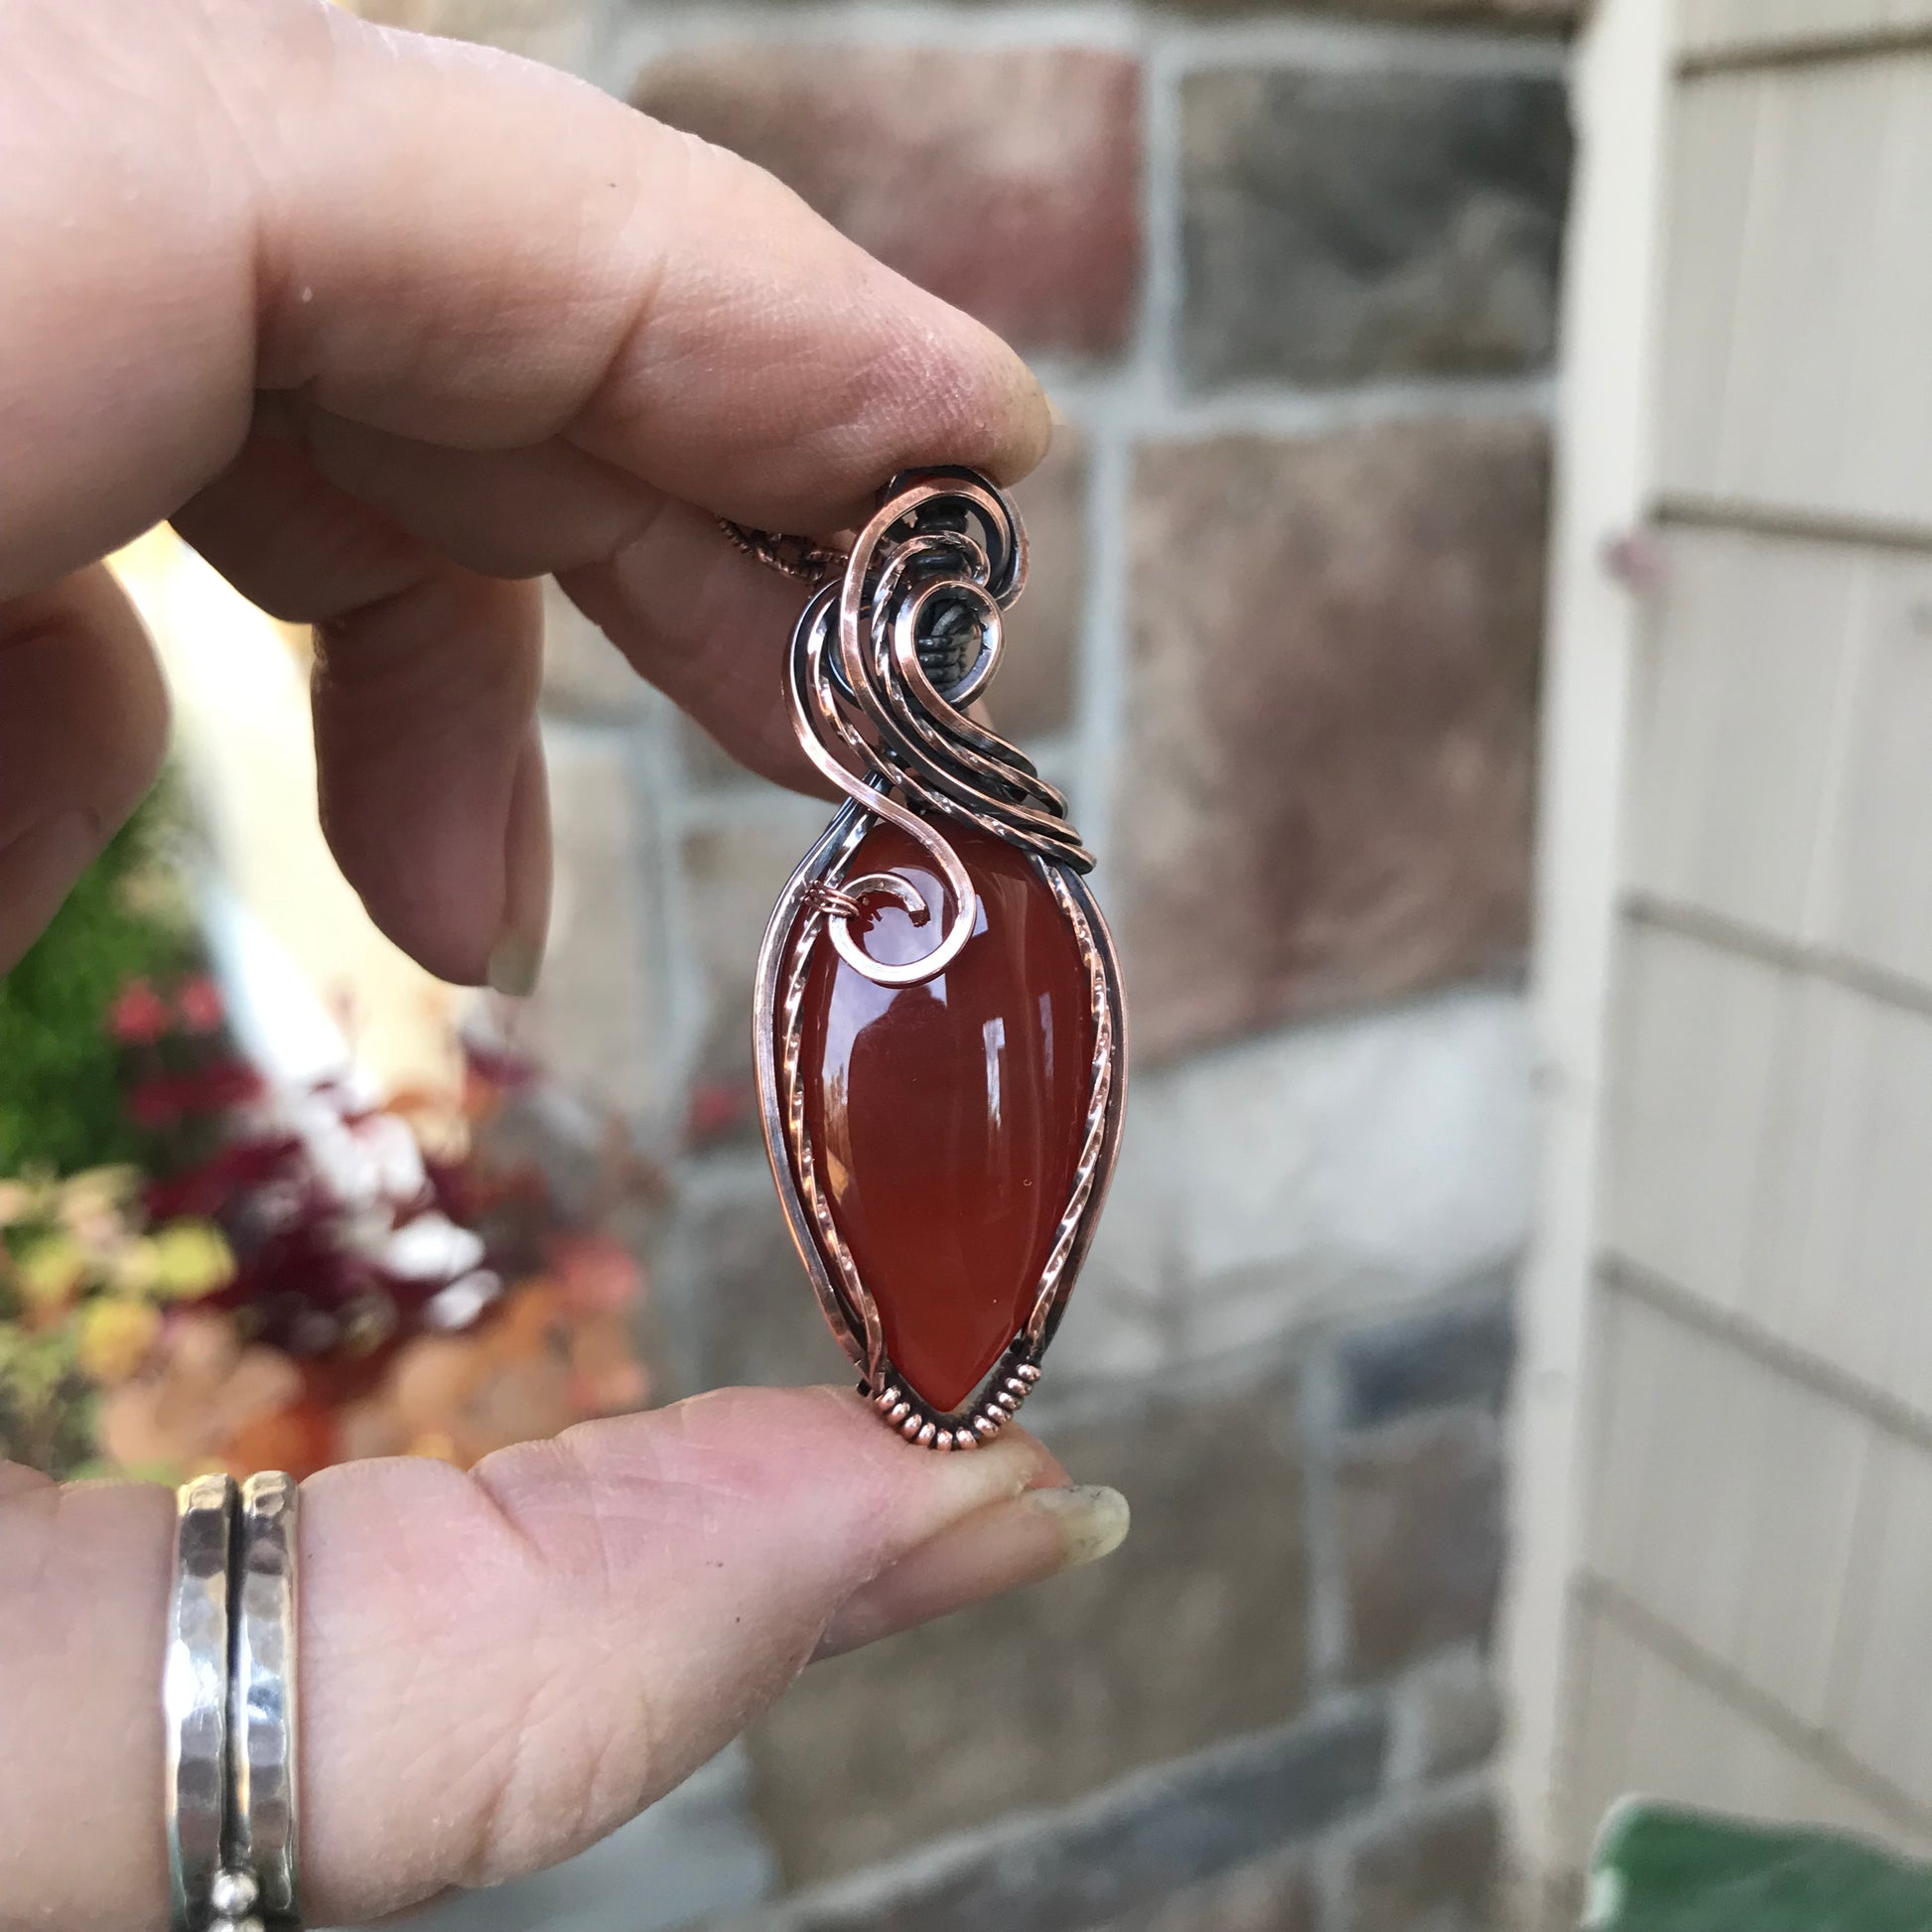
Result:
x=1668 y=1869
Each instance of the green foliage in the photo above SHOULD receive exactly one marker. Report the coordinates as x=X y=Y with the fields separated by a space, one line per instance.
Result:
x=61 y=1100
x=1669 y=1868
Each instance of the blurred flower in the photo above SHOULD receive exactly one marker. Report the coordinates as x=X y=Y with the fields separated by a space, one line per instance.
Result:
x=154 y=1104
x=139 y=1015
x=198 y=1006
x=165 y=1098
x=191 y=1258
x=300 y=1438
x=605 y=1376
x=51 y=1271
x=114 y=1338
x=34 y=1366
x=134 y=1268
x=93 y=1205
x=198 y=1389
x=231 y=1173
x=312 y=1276
x=458 y=1305
x=598 y=1276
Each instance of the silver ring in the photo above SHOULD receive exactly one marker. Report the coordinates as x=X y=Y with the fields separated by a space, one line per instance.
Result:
x=228 y=1692
x=195 y=1696
x=262 y=1704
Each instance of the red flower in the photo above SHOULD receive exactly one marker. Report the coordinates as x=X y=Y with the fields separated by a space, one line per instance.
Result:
x=199 y=1005
x=227 y=1083
x=167 y=1097
x=243 y=1168
x=153 y=1103
x=598 y=1275
x=139 y=1015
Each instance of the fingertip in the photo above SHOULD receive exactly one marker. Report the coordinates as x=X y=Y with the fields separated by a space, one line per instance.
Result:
x=431 y=779
x=517 y=959
x=978 y=403
x=37 y=868
x=1036 y=418
x=83 y=728
x=1004 y=1547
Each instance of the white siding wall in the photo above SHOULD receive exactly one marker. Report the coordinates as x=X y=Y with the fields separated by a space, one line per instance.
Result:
x=1747 y=1569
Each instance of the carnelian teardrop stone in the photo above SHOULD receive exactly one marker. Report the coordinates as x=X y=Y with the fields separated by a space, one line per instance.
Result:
x=946 y=1119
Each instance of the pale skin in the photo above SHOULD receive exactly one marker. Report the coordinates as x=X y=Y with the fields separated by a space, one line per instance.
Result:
x=391 y=329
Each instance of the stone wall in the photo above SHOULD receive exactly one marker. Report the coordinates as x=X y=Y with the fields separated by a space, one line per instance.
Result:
x=1290 y=279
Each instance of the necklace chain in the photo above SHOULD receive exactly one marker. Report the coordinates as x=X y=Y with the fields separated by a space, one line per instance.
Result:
x=798 y=557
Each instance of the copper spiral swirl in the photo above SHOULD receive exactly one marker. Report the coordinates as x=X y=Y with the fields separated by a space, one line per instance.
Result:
x=884 y=660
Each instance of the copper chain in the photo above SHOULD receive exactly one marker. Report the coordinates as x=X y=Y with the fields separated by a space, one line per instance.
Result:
x=797 y=557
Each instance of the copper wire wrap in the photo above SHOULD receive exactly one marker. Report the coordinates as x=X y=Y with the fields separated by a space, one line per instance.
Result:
x=933 y=570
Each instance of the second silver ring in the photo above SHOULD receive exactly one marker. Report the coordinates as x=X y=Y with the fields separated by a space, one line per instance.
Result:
x=262 y=1739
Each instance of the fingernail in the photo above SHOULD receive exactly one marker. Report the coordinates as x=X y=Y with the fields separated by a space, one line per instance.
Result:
x=517 y=959
x=1055 y=413
x=36 y=868
x=1035 y=1535
x=514 y=965
x=1093 y=1519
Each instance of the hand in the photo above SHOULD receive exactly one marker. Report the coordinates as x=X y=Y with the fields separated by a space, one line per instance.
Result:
x=387 y=326
x=496 y=1668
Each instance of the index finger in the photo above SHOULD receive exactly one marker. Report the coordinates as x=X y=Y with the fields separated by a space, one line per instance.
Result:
x=443 y=242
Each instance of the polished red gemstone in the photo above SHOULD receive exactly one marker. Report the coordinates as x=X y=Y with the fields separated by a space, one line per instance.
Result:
x=946 y=1119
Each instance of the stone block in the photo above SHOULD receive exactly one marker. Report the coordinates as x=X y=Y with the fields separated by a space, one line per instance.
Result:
x=693 y=1855
x=1153 y=1839
x=1324 y=797
x=1343 y=226
x=1431 y=1871
x=1528 y=15
x=1305 y=1177
x=1270 y=1894
x=596 y=1019
x=553 y=30
x=1435 y=1357
x=1006 y=181
x=1034 y=695
x=1448 y=1716
x=1192 y=1633
x=742 y=1294
x=1125 y=1322
x=735 y=866
x=1419 y=1512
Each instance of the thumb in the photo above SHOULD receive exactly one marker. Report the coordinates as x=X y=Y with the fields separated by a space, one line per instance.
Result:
x=498 y=1667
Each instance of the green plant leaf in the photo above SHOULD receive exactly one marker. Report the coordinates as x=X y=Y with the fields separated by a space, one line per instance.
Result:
x=62 y=1105
x=1670 y=1869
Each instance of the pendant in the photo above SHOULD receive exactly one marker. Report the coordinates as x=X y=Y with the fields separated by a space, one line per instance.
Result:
x=940 y=1041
